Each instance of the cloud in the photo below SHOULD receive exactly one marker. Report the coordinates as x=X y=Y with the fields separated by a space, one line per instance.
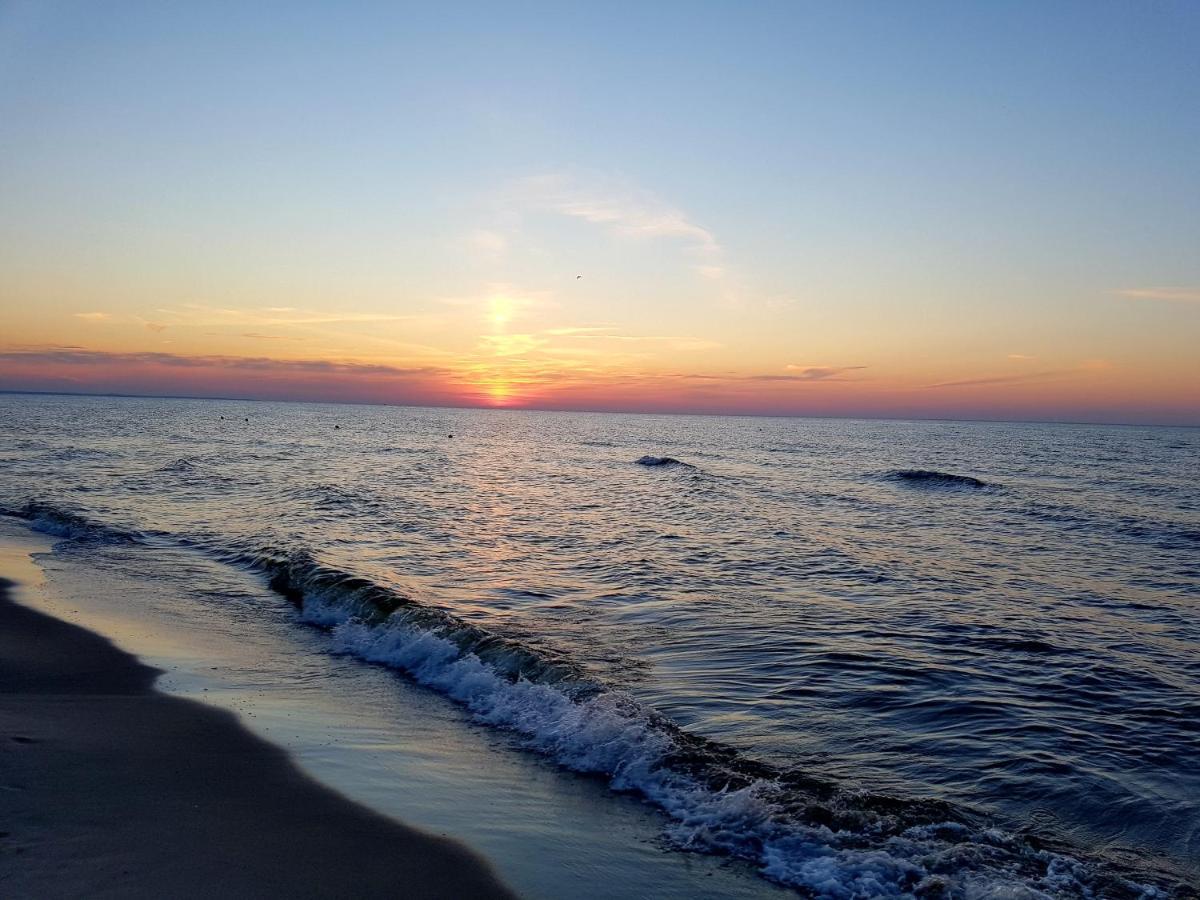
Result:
x=198 y=314
x=621 y=207
x=1020 y=356
x=581 y=330
x=79 y=355
x=814 y=373
x=510 y=344
x=83 y=357
x=93 y=316
x=171 y=374
x=156 y=327
x=1000 y=379
x=672 y=342
x=1169 y=294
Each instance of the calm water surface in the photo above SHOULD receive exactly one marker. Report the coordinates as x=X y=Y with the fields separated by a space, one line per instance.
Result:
x=870 y=657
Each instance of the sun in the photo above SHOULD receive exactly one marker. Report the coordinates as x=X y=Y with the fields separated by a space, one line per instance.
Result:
x=500 y=311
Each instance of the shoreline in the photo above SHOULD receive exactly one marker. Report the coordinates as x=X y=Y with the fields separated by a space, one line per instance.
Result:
x=110 y=788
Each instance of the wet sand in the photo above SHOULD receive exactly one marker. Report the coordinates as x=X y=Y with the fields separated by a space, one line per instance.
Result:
x=109 y=788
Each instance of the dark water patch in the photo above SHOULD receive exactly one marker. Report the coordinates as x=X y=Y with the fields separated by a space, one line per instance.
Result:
x=1012 y=645
x=1158 y=533
x=71 y=454
x=338 y=500
x=663 y=462
x=931 y=478
x=184 y=464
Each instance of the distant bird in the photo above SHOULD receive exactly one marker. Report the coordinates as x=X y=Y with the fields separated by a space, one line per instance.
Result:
x=577 y=277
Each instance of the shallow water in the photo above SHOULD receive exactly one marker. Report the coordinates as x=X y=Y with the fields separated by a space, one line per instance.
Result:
x=935 y=656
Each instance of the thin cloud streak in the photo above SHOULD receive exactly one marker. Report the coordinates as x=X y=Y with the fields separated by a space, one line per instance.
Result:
x=621 y=207
x=1000 y=379
x=80 y=356
x=626 y=209
x=818 y=373
x=1168 y=294
x=197 y=314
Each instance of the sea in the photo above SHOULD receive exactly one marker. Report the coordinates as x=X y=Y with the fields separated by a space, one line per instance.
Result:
x=657 y=655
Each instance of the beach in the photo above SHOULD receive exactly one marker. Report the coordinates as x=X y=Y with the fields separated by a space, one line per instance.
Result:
x=112 y=789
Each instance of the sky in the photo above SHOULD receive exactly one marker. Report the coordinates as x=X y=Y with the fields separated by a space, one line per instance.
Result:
x=949 y=210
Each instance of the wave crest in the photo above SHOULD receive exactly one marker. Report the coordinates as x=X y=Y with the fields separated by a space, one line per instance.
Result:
x=51 y=518
x=667 y=461
x=931 y=478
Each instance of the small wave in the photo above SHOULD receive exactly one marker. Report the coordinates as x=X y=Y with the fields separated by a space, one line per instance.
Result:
x=1166 y=535
x=668 y=461
x=338 y=500
x=328 y=596
x=51 y=518
x=933 y=479
x=79 y=453
x=183 y=464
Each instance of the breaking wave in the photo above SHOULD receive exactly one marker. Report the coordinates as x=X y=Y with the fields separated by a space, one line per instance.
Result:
x=817 y=836
x=51 y=518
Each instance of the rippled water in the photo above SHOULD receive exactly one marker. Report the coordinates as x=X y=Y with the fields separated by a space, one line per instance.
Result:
x=872 y=657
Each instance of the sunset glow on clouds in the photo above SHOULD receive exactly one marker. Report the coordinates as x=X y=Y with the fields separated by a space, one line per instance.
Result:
x=391 y=221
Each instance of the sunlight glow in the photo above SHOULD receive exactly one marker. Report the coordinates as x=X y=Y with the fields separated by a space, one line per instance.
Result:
x=500 y=311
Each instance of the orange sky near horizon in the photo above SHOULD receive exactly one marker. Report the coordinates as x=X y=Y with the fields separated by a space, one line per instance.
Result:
x=506 y=350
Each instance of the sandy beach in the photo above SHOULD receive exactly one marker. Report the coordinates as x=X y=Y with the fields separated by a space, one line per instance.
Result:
x=109 y=788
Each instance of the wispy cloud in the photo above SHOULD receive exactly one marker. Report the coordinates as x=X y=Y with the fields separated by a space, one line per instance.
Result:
x=149 y=325
x=667 y=341
x=581 y=330
x=510 y=344
x=1020 y=356
x=93 y=316
x=621 y=207
x=1168 y=294
x=162 y=373
x=818 y=373
x=77 y=356
x=198 y=314
x=1001 y=379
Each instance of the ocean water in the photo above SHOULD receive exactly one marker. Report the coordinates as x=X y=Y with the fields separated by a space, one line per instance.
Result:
x=865 y=658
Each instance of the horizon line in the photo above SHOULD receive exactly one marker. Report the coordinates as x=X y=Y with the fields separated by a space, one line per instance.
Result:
x=612 y=412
